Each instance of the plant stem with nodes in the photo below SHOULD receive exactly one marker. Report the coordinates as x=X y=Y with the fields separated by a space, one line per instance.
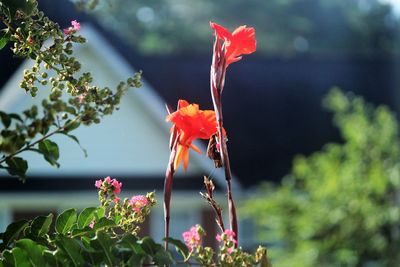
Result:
x=209 y=197
x=217 y=81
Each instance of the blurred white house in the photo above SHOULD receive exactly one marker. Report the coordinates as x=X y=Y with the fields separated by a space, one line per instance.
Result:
x=130 y=145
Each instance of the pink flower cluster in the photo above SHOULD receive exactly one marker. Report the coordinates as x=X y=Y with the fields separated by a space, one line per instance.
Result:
x=104 y=185
x=228 y=237
x=92 y=223
x=72 y=29
x=192 y=238
x=81 y=98
x=138 y=202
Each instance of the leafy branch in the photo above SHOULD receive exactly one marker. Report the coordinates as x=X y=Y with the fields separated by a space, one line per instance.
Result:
x=55 y=69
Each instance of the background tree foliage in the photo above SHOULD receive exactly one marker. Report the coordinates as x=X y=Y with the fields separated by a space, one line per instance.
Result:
x=284 y=27
x=339 y=206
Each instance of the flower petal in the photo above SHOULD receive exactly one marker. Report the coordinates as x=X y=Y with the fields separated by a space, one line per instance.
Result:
x=221 y=32
x=190 y=123
x=241 y=42
x=195 y=148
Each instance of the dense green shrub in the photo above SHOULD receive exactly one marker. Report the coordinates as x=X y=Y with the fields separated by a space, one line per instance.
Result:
x=338 y=206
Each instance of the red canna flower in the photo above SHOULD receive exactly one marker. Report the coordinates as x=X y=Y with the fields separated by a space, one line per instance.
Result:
x=241 y=41
x=190 y=123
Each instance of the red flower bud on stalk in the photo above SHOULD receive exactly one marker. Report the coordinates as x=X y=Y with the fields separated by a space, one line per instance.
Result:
x=240 y=42
x=228 y=48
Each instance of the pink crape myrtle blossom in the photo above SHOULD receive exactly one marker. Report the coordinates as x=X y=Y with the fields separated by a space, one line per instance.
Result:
x=81 y=98
x=228 y=236
x=108 y=183
x=192 y=238
x=98 y=183
x=72 y=29
x=117 y=186
x=91 y=224
x=108 y=180
x=138 y=202
x=116 y=199
x=76 y=25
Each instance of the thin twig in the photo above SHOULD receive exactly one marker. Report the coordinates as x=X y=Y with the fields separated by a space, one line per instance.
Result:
x=209 y=197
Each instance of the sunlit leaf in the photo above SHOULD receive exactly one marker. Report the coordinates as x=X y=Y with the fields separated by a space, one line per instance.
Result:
x=105 y=243
x=34 y=251
x=65 y=221
x=13 y=231
x=17 y=166
x=41 y=224
x=71 y=249
x=86 y=217
x=50 y=152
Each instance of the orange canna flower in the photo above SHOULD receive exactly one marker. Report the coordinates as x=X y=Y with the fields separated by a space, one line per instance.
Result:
x=190 y=123
x=241 y=41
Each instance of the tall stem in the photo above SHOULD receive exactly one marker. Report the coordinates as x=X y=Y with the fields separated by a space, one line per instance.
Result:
x=217 y=81
x=169 y=175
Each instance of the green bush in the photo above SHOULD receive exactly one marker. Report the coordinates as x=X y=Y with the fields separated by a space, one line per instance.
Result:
x=338 y=206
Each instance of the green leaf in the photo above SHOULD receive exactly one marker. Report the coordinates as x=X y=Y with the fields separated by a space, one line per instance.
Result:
x=16 y=258
x=8 y=258
x=103 y=242
x=70 y=110
x=65 y=221
x=103 y=223
x=100 y=213
x=50 y=257
x=136 y=260
x=95 y=258
x=163 y=258
x=17 y=166
x=180 y=247
x=117 y=218
x=86 y=217
x=5 y=118
x=4 y=38
x=130 y=241
x=71 y=125
x=13 y=231
x=25 y=6
x=71 y=249
x=49 y=149
x=41 y=224
x=15 y=117
x=148 y=245
x=91 y=254
x=122 y=254
x=81 y=232
x=34 y=251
